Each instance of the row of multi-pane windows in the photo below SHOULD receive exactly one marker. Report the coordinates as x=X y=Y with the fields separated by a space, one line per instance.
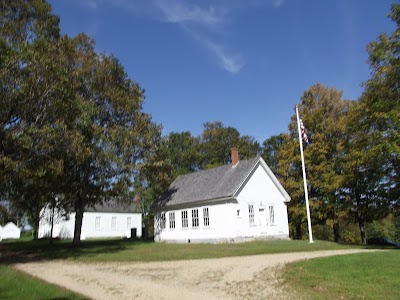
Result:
x=97 y=223
x=185 y=218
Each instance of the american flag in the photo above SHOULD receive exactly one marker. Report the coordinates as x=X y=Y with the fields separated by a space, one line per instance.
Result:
x=303 y=132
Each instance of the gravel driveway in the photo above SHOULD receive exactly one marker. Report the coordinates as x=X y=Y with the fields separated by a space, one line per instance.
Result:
x=246 y=277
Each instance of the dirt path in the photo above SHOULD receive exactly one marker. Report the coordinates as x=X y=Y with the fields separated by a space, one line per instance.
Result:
x=248 y=277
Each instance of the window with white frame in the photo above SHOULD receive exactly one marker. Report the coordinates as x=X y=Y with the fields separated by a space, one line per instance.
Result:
x=251 y=214
x=206 y=217
x=195 y=218
x=271 y=215
x=172 y=220
x=97 y=223
x=185 y=223
x=128 y=222
x=162 y=220
x=114 y=223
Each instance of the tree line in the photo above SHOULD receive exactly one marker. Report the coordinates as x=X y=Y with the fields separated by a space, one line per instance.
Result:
x=72 y=126
x=73 y=134
x=353 y=160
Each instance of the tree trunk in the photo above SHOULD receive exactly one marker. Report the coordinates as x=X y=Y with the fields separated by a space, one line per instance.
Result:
x=52 y=225
x=298 y=231
x=360 y=219
x=336 y=232
x=36 y=225
x=362 y=231
x=79 y=209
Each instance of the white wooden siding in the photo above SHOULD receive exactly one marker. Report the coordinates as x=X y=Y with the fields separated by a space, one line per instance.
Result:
x=64 y=229
x=225 y=224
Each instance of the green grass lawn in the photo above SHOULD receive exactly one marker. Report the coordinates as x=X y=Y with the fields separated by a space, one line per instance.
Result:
x=128 y=250
x=330 y=273
x=356 y=276
x=16 y=285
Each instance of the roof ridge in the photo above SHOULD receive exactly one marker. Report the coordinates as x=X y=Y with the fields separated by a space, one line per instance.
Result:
x=214 y=183
x=222 y=166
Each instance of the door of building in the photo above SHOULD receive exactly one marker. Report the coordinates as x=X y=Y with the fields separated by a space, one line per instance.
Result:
x=263 y=220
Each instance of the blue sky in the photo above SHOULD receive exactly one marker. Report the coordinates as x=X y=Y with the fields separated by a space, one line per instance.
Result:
x=244 y=63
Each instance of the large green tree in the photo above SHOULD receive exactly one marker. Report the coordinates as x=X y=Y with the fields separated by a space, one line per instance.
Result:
x=271 y=148
x=29 y=43
x=365 y=190
x=372 y=158
x=380 y=102
x=182 y=150
x=324 y=114
x=217 y=142
x=71 y=119
x=115 y=136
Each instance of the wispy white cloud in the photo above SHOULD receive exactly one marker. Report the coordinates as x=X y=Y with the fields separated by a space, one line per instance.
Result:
x=183 y=12
x=204 y=21
x=197 y=23
x=278 y=3
x=232 y=63
x=228 y=61
x=93 y=4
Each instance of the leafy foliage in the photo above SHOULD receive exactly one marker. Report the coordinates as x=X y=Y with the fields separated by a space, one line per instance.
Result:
x=381 y=102
x=72 y=123
x=271 y=148
x=217 y=142
x=372 y=162
x=71 y=119
x=324 y=115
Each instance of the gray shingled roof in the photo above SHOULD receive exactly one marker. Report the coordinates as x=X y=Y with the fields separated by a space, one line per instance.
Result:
x=113 y=206
x=216 y=183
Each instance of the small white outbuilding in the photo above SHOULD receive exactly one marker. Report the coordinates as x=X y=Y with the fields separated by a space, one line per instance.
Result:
x=237 y=202
x=108 y=220
x=10 y=231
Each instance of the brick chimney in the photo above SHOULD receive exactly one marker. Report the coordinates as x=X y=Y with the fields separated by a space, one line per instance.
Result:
x=235 y=156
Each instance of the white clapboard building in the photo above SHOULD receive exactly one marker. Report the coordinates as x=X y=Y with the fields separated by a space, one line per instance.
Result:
x=108 y=220
x=10 y=231
x=237 y=202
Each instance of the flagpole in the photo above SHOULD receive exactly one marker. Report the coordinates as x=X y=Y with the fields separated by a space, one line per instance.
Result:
x=304 y=176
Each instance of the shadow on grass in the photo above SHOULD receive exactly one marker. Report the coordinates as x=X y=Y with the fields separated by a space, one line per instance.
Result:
x=37 y=250
x=381 y=247
x=141 y=250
